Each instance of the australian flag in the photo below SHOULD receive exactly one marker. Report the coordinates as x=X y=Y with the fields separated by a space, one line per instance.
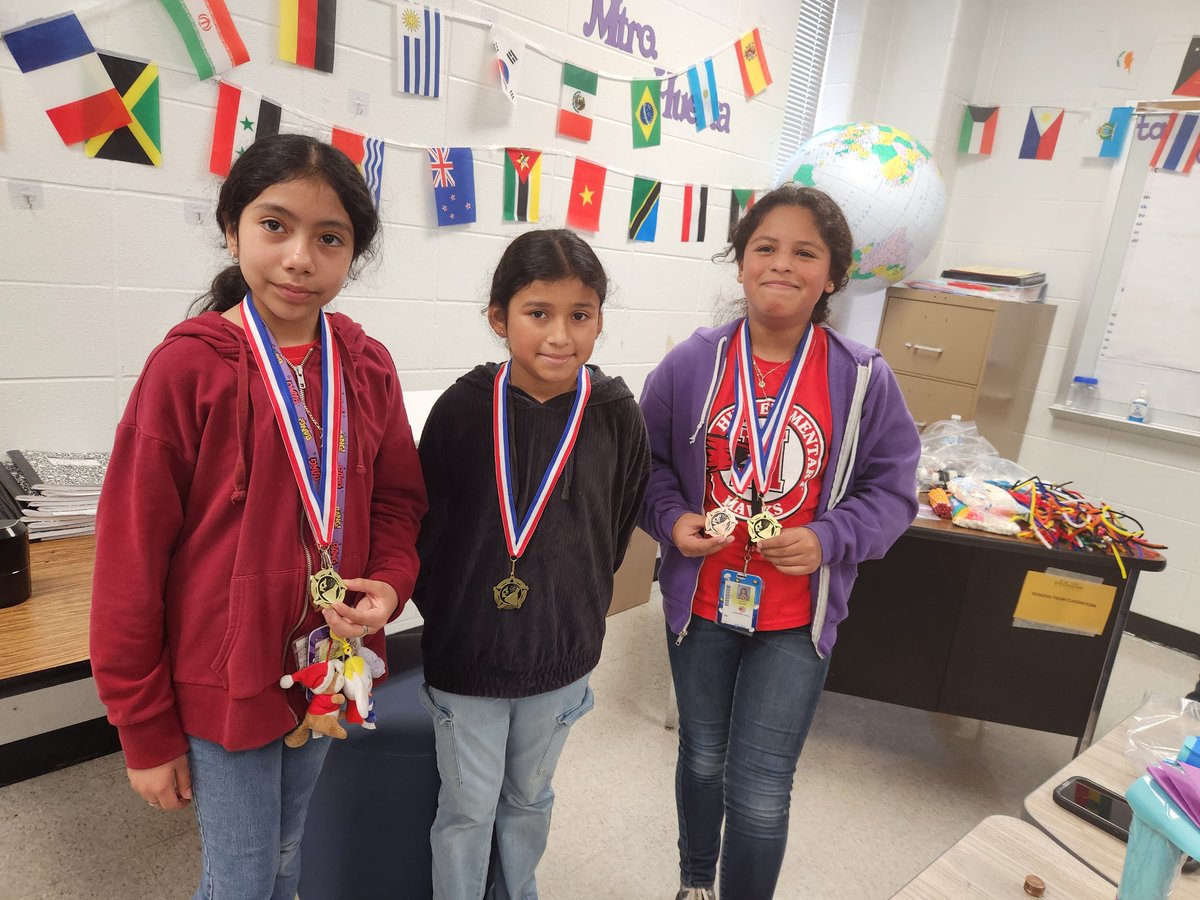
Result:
x=453 y=171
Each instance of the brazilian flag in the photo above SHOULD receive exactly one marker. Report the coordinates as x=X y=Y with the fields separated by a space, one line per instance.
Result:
x=643 y=212
x=139 y=141
x=645 y=111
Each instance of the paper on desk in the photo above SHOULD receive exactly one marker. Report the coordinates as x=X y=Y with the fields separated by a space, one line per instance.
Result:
x=1055 y=602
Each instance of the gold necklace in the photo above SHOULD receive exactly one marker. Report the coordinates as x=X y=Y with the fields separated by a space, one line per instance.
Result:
x=762 y=379
x=299 y=370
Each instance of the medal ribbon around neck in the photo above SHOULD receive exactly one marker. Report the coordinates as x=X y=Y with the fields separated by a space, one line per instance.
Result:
x=766 y=441
x=518 y=535
x=322 y=492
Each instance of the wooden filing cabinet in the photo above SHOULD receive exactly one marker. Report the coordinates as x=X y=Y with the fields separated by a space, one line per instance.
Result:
x=972 y=356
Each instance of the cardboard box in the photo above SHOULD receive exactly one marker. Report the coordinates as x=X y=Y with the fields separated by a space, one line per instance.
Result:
x=631 y=584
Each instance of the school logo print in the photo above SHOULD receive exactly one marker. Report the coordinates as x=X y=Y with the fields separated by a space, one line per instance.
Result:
x=803 y=454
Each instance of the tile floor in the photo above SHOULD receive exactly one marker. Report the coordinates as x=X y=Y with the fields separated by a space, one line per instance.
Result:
x=880 y=792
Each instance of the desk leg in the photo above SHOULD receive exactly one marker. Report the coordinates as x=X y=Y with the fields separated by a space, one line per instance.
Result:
x=1126 y=600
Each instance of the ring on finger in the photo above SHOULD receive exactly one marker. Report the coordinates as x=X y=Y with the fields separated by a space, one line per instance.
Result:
x=366 y=630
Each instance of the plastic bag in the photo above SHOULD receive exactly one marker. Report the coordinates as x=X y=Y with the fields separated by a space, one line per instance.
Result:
x=1158 y=729
x=952 y=448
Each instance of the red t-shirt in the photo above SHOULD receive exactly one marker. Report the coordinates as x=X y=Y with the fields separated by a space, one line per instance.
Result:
x=295 y=355
x=793 y=493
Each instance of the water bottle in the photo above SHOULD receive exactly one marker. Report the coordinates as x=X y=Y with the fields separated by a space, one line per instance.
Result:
x=1082 y=393
x=1139 y=406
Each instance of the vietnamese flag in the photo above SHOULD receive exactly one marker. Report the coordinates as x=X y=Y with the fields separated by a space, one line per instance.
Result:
x=587 y=193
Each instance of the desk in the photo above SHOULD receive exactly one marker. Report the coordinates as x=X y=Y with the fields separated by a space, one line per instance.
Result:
x=992 y=860
x=930 y=627
x=1104 y=763
x=53 y=623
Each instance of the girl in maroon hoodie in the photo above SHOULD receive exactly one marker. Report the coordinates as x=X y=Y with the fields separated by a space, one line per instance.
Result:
x=264 y=455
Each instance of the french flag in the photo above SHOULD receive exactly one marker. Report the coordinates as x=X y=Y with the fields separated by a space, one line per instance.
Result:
x=65 y=72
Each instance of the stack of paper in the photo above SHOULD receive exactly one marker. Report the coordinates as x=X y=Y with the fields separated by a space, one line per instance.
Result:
x=57 y=492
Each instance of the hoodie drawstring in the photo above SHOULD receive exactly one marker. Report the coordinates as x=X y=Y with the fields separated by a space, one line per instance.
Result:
x=243 y=418
x=352 y=400
x=712 y=388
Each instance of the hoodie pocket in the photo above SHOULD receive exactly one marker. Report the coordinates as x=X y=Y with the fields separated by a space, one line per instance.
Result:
x=250 y=658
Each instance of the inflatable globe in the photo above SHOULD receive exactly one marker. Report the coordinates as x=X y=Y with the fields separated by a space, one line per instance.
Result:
x=890 y=189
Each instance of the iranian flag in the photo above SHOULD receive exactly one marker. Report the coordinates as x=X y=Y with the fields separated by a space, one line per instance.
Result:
x=208 y=32
x=575 y=106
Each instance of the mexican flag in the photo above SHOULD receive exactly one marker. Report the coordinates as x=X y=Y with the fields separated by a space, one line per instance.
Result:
x=575 y=105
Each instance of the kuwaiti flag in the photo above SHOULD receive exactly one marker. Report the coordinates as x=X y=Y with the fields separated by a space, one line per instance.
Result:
x=978 y=129
x=307 y=33
x=1176 y=150
x=366 y=153
x=695 y=212
x=510 y=49
x=419 y=38
x=522 y=184
x=242 y=118
x=576 y=101
x=63 y=69
x=1041 y=132
x=208 y=32
x=702 y=82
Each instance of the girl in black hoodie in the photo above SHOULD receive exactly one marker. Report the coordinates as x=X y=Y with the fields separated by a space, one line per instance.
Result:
x=535 y=470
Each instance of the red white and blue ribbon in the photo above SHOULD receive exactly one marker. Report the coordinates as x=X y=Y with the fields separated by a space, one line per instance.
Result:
x=319 y=472
x=766 y=440
x=518 y=532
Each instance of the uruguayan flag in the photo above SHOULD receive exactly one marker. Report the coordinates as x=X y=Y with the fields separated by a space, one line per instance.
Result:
x=419 y=37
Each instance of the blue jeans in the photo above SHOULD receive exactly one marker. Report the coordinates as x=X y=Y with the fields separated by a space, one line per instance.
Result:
x=745 y=706
x=496 y=758
x=250 y=807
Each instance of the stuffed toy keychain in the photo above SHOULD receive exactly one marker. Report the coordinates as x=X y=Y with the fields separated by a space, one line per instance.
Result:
x=345 y=675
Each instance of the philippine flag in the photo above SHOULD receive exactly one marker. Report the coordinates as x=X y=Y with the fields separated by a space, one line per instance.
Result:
x=64 y=70
x=1041 y=132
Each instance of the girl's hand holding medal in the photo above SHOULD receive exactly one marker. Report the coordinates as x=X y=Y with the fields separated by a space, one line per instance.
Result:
x=370 y=614
x=689 y=536
x=794 y=551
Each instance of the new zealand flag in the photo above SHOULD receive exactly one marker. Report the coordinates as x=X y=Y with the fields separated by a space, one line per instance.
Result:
x=453 y=171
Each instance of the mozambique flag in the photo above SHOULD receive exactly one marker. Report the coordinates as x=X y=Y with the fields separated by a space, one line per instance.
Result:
x=306 y=32
x=753 y=63
x=138 y=142
x=643 y=211
x=644 y=110
x=522 y=184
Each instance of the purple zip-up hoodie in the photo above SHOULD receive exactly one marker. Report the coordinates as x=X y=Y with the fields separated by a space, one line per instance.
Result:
x=868 y=492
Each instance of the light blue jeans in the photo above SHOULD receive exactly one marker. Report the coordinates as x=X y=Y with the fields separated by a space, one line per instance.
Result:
x=496 y=758
x=250 y=806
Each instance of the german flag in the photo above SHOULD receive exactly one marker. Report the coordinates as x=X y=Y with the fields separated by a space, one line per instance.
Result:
x=138 y=142
x=306 y=32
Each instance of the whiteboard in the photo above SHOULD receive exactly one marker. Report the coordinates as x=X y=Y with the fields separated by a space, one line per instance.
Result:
x=1144 y=324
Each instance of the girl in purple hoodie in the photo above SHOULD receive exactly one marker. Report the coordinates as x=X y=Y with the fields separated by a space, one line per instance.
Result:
x=783 y=455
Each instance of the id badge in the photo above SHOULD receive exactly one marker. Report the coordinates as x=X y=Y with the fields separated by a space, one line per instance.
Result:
x=316 y=646
x=737 y=604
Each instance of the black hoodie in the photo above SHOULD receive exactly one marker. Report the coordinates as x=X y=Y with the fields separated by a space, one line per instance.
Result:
x=470 y=646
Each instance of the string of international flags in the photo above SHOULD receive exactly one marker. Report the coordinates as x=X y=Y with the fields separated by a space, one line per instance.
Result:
x=110 y=103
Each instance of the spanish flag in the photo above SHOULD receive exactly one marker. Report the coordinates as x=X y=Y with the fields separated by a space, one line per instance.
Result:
x=752 y=59
x=306 y=32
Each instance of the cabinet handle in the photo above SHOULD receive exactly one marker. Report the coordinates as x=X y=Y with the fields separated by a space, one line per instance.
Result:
x=920 y=425
x=911 y=346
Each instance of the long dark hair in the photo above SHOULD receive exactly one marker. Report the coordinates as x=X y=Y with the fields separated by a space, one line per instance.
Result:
x=548 y=254
x=831 y=224
x=275 y=160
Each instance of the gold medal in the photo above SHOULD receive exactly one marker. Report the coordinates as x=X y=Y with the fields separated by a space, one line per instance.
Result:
x=326 y=588
x=512 y=591
x=720 y=522
x=763 y=527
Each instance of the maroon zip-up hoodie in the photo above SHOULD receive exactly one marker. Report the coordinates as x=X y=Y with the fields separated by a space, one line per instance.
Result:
x=202 y=548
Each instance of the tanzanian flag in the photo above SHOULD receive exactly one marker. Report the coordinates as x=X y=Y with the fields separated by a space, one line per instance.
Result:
x=643 y=211
x=138 y=142
x=306 y=33
x=522 y=184
x=644 y=110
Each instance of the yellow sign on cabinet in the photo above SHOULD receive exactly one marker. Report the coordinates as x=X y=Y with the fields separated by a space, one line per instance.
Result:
x=1059 y=603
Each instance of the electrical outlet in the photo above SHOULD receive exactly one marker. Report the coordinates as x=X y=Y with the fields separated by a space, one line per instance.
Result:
x=25 y=195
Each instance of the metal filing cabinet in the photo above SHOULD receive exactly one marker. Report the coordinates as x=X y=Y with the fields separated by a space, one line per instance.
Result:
x=972 y=356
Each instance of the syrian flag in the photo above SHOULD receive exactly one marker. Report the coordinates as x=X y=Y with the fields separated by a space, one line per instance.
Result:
x=575 y=103
x=62 y=68
x=695 y=212
x=242 y=118
x=208 y=32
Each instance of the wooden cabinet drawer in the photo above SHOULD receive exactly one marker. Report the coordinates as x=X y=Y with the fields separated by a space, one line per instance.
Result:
x=929 y=400
x=935 y=339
